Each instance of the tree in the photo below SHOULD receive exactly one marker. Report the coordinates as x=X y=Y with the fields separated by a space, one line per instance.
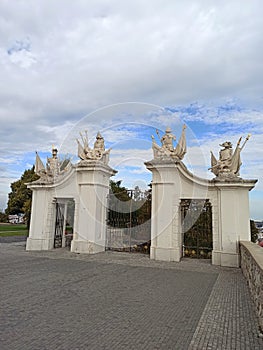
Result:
x=20 y=196
x=128 y=207
x=121 y=192
x=3 y=217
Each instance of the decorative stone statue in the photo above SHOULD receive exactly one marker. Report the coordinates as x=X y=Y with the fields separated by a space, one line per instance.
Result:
x=167 y=140
x=85 y=153
x=54 y=167
x=167 y=149
x=99 y=147
x=53 y=163
x=229 y=162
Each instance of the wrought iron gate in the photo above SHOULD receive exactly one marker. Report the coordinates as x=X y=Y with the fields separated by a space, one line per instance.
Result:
x=129 y=222
x=59 y=226
x=196 y=215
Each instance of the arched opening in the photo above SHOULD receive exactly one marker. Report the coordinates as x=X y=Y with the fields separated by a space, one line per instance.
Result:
x=64 y=223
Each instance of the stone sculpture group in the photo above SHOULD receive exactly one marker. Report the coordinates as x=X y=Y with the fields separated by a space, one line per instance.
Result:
x=86 y=153
x=227 y=166
x=229 y=162
x=167 y=148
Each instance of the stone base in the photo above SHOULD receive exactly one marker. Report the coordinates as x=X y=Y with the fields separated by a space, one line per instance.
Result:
x=86 y=247
x=225 y=259
x=39 y=244
x=165 y=254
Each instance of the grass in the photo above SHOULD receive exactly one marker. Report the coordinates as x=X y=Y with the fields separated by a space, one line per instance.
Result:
x=7 y=230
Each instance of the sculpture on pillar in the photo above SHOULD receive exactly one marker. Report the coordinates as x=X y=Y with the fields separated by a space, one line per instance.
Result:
x=229 y=162
x=54 y=167
x=85 y=153
x=167 y=149
x=53 y=163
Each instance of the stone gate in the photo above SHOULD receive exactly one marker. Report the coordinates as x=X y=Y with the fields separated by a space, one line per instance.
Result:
x=87 y=184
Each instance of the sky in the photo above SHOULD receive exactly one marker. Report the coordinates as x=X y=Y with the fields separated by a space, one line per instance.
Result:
x=125 y=68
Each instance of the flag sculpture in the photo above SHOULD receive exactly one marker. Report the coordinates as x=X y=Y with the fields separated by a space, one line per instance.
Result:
x=229 y=162
x=167 y=148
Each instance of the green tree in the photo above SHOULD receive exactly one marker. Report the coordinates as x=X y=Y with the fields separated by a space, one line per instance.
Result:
x=121 y=192
x=119 y=205
x=128 y=207
x=20 y=197
x=3 y=217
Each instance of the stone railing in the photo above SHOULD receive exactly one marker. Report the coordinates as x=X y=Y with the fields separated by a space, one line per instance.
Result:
x=252 y=268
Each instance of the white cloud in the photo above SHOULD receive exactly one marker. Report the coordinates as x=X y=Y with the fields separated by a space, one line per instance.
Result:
x=61 y=60
x=130 y=158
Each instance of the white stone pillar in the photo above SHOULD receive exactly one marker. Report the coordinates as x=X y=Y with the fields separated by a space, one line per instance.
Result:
x=166 y=241
x=42 y=223
x=93 y=187
x=233 y=220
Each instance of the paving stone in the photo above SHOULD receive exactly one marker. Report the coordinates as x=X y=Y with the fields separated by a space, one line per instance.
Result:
x=61 y=300
x=11 y=239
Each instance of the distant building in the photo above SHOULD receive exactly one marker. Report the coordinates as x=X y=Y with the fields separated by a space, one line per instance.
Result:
x=259 y=225
x=16 y=218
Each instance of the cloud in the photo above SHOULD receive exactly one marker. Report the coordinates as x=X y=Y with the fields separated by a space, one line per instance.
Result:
x=62 y=60
x=161 y=54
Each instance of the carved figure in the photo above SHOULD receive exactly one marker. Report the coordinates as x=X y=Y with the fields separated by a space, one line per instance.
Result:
x=54 y=167
x=85 y=153
x=99 y=146
x=167 y=149
x=229 y=163
x=167 y=140
x=53 y=163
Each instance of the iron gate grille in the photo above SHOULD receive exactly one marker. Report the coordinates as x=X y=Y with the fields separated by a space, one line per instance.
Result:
x=196 y=217
x=59 y=225
x=129 y=222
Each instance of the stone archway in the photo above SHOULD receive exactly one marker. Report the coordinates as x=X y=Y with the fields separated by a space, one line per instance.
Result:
x=171 y=183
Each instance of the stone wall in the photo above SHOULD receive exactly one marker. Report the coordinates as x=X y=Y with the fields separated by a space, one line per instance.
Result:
x=252 y=268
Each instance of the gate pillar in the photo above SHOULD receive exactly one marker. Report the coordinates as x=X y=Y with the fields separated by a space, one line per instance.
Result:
x=42 y=223
x=90 y=224
x=166 y=237
x=233 y=219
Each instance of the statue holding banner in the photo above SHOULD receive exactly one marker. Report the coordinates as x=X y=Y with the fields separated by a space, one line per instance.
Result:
x=167 y=149
x=229 y=162
x=54 y=166
x=86 y=153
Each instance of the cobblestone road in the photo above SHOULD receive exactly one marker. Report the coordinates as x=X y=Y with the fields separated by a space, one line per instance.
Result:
x=59 y=300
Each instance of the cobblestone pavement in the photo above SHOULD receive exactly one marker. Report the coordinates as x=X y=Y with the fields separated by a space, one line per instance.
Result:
x=60 y=300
